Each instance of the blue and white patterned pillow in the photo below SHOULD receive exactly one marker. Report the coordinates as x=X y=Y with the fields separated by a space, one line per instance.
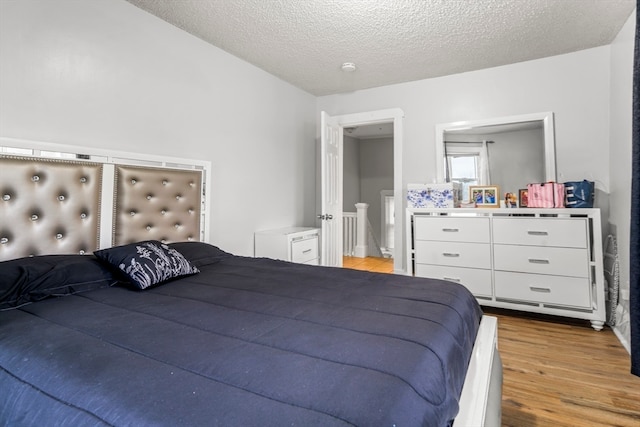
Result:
x=147 y=263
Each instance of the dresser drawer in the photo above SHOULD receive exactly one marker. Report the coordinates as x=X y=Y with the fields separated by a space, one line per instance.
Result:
x=560 y=232
x=473 y=255
x=305 y=250
x=557 y=290
x=542 y=260
x=478 y=281
x=453 y=229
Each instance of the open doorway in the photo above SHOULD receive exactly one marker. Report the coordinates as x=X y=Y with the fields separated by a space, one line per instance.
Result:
x=368 y=178
x=331 y=182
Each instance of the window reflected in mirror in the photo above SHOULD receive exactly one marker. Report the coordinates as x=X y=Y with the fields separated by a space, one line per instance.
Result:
x=508 y=152
x=463 y=168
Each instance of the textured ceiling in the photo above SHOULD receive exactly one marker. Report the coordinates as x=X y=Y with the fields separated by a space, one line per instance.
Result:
x=304 y=42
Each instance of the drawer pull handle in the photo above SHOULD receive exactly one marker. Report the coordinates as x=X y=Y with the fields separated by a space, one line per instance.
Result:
x=538 y=261
x=537 y=289
x=451 y=279
x=451 y=255
x=537 y=233
x=450 y=230
x=306 y=251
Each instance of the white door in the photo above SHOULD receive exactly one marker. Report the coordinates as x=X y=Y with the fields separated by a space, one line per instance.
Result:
x=331 y=188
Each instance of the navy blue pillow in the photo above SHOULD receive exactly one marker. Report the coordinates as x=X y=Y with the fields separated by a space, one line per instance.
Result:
x=30 y=279
x=200 y=253
x=147 y=263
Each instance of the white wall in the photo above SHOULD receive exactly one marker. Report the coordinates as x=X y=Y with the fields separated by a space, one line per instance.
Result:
x=517 y=158
x=574 y=86
x=107 y=74
x=376 y=174
x=620 y=155
x=368 y=169
x=351 y=173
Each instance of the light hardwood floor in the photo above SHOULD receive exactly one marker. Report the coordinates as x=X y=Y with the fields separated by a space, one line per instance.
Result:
x=557 y=372
x=379 y=265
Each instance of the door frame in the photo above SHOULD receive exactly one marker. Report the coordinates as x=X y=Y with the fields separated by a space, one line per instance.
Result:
x=395 y=116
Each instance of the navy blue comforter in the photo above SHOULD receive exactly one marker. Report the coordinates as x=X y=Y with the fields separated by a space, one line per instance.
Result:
x=246 y=342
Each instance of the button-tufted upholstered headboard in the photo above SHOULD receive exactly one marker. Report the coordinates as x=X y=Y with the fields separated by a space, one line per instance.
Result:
x=48 y=206
x=96 y=199
x=158 y=204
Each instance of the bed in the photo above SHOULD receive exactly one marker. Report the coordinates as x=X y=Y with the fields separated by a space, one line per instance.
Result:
x=174 y=331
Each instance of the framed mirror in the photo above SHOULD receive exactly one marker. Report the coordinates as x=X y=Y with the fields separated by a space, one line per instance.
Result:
x=508 y=152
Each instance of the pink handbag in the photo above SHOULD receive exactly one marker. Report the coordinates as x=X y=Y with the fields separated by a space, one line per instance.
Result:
x=546 y=195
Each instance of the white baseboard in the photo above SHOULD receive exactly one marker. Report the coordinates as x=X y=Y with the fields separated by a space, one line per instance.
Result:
x=622 y=339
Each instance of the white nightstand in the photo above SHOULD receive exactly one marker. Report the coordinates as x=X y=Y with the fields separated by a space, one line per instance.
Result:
x=295 y=244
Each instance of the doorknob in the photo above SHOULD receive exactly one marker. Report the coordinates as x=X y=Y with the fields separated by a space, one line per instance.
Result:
x=325 y=217
x=321 y=216
x=328 y=216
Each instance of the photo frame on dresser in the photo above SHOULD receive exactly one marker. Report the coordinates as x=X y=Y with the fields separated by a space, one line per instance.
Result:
x=523 y=198
x=485 y=196
x=510 y=200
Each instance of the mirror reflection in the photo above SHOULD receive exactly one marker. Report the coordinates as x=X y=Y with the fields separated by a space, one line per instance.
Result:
x=509 y=154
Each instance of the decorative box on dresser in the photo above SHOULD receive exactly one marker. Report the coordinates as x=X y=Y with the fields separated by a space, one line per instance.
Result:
x=538 y=260
x=295 y=244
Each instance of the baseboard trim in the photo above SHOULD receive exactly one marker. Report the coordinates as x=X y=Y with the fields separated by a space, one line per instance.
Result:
x=622 y=339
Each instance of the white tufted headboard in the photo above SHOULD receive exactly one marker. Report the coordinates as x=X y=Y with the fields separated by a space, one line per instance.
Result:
x=95 y=199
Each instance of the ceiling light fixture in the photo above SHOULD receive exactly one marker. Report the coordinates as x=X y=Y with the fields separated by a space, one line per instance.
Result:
x=348 y=67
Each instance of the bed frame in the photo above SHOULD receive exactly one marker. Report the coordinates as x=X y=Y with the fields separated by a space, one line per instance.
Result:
x=481 y=397
x=96 y=199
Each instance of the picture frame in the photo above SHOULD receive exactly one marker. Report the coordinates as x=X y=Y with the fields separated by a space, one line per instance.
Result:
x=510 y=200
x=523 y=197
x=485 y=196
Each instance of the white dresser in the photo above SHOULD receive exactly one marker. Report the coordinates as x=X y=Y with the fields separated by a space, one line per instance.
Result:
x=295 y=244
x=540 y=260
